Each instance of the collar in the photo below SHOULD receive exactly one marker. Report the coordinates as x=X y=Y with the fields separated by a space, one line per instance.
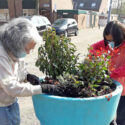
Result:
x=13 y=58
x=121 y=45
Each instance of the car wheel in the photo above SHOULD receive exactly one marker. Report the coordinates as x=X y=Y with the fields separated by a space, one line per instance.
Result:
x=66 y=34
x=76 y=32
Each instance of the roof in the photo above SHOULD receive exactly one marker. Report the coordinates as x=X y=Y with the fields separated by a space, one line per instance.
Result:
x=72 y=11
x=93 y=5
x=75 y=12
x=27 y=4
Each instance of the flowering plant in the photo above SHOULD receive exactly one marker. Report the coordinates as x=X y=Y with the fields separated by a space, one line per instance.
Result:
x=95 y=74
x=57 y=59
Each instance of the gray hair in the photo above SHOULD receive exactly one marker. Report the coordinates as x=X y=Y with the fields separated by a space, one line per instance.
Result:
x=17 y=33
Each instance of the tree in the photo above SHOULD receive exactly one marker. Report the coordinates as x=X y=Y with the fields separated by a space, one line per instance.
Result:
x=120 y=10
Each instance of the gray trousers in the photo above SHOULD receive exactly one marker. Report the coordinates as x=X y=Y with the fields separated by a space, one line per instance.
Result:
x=120 y=120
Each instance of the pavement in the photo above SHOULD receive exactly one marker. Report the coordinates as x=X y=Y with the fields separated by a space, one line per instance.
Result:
x=85 y=38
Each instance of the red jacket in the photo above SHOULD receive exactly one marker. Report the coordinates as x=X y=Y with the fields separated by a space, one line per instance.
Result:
x=117 y=61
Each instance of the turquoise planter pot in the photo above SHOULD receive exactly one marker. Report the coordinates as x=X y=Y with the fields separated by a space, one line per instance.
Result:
x=56 y=110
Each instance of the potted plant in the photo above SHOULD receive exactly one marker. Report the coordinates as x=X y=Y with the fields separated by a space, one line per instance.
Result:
x=86 y=95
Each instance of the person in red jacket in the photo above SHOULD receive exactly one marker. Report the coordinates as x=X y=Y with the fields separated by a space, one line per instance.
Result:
x=114 y=40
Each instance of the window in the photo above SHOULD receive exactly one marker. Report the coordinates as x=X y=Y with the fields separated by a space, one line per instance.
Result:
x=93 y=5
x=81 y=4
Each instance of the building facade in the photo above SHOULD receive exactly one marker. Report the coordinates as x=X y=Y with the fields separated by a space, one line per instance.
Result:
x=14 y=8
x=49 y=8
x=91 y=5
x=86 y=12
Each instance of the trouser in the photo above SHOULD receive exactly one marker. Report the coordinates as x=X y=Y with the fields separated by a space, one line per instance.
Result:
x=120 y=119
x=10 y=115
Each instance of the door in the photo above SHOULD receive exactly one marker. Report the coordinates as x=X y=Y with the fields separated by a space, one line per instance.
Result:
x=71 y=26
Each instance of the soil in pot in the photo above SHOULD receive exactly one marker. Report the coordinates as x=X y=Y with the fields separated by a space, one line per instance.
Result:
x=68 y=89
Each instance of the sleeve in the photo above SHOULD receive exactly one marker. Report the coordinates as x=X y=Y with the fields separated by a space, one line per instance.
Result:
x=10 y=84
x=21 y=71
x=119 y=72
x=97 y=46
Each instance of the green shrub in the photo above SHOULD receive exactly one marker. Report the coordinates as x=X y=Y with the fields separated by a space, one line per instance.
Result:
x=57 y=55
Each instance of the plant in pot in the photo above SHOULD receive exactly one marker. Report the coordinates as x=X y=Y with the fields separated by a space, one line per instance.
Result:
x=85 y=93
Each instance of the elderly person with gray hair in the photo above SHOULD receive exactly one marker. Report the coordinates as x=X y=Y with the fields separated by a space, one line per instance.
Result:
x=17 y=38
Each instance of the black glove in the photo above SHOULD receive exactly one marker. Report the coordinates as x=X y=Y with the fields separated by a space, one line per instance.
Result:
x=34 y=80
x=49 y=89
x=46 y=88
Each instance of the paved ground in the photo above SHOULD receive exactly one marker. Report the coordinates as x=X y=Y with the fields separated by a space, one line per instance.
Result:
x=86 y=37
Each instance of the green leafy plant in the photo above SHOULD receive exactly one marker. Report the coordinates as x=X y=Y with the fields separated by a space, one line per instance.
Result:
x=92 y=77
x=95 y=74
x=57 y=59
x=57 y=55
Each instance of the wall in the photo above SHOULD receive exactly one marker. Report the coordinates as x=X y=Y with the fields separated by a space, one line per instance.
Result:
x=97 y=20
x=15 y=8
x=62 y=4
x=103 y=19
x=81 y=20
x=11 y=8
x=114 y=17
x=52 y=5
x=28 y=12
x=86 y=20
x=45 y=3
x=104 y=7
x=18 y=8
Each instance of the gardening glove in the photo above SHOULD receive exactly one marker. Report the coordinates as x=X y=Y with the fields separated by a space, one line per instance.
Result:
x=34 y=80
x=49 y=89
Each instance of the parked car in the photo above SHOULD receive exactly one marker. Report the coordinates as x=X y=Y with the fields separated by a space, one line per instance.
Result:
x=41 y=22
x=65 y=26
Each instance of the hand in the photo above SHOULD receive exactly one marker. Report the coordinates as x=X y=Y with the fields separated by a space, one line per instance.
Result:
x=34 y=80
x=49 y=89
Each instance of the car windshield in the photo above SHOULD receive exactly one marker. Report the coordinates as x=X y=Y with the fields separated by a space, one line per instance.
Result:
x=60 y=22
x=28 y=17
x=38 y=20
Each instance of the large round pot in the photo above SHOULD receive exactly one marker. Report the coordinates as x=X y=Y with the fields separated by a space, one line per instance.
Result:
x=56 y=110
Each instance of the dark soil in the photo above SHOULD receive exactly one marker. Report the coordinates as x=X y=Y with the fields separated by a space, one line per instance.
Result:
x=69 y=90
